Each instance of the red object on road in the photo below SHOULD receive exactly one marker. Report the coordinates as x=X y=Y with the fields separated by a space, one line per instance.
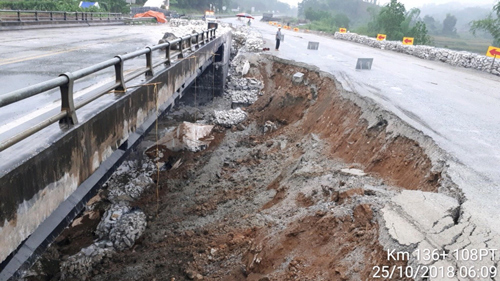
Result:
x=244 y=15
x=160 y=17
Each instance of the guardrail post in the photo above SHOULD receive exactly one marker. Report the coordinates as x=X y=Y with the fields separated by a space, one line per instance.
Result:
x=18 y=15
x=119 y=75
x=167 y=54
x=181 y=49
x=51 y=16
x=108 y=17
x=36 y=15
x=149 y=62
x=67 y=102
x=207 y=36
x=197 y=46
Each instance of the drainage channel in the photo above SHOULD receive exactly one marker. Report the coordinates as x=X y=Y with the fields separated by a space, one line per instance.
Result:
x=284 y=176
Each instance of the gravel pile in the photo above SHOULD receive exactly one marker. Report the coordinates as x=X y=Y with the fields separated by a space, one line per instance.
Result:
x=78 y=267
x=249 y=38
x=229 y=118
x=131 y=190
x=455 y=58
x=243 y=98
x=244 y=84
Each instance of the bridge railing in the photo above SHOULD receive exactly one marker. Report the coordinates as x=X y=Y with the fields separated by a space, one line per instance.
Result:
x=175 y=49
x=51 y=16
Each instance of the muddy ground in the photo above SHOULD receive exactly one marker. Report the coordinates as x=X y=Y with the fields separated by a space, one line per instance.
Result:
x=274 y=205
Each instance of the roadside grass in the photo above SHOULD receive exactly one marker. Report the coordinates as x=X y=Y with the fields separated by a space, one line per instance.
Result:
x=466 y=42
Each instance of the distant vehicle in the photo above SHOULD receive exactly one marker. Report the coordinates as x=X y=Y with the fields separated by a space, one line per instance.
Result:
x=210 y=16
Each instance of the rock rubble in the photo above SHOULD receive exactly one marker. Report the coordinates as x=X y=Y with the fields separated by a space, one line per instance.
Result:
x=249 y=38
x=182 y=27
x=455 y=58
x=128 y=229
x=120 y=225
x=229 y=118
x=110 y=218
x=78 y=267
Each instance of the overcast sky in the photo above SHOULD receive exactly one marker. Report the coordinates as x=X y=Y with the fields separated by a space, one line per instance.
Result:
x=418 y=3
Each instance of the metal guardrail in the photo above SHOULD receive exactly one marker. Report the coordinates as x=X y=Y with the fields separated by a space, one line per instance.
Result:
x=65 y=82
x=51 y=16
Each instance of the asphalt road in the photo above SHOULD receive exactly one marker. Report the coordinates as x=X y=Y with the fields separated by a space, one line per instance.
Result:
x=28 y=57
x=457 y=107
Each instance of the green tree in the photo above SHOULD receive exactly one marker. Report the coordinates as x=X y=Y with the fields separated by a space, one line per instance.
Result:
x=115 y=6
x=390 y=18
x=341 y=20
x=491 y=24
x=315 y=15
x=412 y=26
x=449 y=25
x=431 y=24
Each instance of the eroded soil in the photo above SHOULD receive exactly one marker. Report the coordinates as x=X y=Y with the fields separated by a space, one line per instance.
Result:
x=275 y=205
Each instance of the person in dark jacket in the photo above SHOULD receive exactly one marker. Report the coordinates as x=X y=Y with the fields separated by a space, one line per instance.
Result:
x=278 y=39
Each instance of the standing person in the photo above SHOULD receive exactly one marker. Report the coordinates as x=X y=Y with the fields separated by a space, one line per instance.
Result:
x=278 y=39
x=249 y=22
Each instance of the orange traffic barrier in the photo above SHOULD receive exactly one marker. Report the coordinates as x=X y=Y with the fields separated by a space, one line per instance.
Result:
x=296 y=29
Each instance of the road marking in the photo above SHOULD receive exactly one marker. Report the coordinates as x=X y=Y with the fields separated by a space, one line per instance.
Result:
x=57 y=52
x=16 y=60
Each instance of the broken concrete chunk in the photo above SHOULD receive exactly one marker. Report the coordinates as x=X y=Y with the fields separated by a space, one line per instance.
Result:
x=270 y=126
x=246 y=68
x=190 y=136
x=298 y=78
x=354 y=172
x=400 y=229
x=426 y=209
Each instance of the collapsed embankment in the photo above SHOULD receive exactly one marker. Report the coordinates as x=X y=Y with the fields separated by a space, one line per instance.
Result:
x=294 y=192
x=356 y=129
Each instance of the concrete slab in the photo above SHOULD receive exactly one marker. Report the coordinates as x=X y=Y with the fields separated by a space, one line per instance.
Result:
x=424 y=208
x=404 y=232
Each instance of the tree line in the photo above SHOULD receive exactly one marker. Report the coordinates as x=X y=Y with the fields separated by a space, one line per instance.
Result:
x=392 y=19
x=113 y=6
